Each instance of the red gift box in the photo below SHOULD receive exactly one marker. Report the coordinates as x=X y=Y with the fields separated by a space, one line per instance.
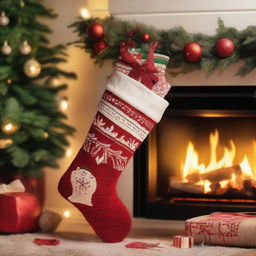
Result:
x=19 y=212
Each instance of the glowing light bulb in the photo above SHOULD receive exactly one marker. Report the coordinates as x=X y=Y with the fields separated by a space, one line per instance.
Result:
x=9 y=81
x=85 y=14
x=66 y=214
x=55 y=81
x=63 y=104
x=9 y=128
x=46 y=135
x=69 y=152
x=33 y=70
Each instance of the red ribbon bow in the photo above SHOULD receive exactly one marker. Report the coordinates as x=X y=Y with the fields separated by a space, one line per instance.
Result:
x=142 y=72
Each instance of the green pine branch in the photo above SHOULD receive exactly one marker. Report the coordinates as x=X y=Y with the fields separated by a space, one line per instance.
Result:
x=171 y=43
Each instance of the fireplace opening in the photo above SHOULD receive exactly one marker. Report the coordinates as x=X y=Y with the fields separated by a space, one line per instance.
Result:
x=201 y=157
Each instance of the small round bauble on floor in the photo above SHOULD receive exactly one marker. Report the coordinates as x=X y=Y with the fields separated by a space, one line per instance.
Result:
x=49 y=221
x=6 y=49
x=224 y=47
x=32 y=68
x=95 y=31
x=4 y=20
x=25 y=48
x=99 y=46
x=192 y=52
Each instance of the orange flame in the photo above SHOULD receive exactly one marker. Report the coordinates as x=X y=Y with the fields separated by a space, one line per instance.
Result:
x=191 y=165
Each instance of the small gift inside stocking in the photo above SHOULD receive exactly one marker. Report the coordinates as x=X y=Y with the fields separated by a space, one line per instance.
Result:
x=127 y=112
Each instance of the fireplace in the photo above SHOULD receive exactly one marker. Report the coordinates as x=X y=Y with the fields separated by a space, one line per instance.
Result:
x=201 y=157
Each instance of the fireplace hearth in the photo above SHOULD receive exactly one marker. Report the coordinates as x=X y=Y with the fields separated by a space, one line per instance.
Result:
x=201 y=157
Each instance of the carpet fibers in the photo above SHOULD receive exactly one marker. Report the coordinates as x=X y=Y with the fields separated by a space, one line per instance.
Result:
x=79 y=244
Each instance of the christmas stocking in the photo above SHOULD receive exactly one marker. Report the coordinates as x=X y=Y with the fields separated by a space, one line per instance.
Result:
x=129 y=108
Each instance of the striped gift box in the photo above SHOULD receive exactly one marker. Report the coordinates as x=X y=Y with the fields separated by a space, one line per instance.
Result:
x=183 y=241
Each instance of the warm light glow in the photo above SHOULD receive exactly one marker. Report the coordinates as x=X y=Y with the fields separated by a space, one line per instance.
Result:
x=66 y=214
x=9 y=81
x=207 y=186
x=69 y=152
x=9 y=128
x=55 y=81
x=46 y=135
x=191 y=161
x=246 y=168
x=33 y=70
x=85 y=14
x=63 y=104
x=203 y=174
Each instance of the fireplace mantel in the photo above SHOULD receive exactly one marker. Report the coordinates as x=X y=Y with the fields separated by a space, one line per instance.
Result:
x=202 y=17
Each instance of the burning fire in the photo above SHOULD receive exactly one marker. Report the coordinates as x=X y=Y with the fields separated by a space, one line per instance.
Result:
x=218 y=176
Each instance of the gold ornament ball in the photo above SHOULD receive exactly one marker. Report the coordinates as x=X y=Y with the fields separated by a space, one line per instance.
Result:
x=9 y=128
x=4 y=143
x=4 y=20
x=46 y=135
x=22 y=4
x=25 y=48
x=9 y=81
x=6 y=48
x=32 y=68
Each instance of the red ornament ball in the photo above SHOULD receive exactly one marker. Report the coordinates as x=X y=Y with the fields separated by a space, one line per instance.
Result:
x=95 y=31
x=192 y=52
x=224 y=47
x=99 y=46
x=145 y=37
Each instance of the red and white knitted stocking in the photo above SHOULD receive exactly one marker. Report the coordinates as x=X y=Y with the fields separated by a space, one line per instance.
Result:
x=127 y=112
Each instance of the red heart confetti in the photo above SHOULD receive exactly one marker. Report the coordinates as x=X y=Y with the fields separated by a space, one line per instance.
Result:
x=142 y=245
x=40 y=241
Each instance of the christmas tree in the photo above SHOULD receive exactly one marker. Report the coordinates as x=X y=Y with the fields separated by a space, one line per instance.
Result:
x=33 y=133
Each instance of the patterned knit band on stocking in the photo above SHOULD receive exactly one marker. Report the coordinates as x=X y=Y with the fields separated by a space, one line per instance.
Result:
x=127 y=112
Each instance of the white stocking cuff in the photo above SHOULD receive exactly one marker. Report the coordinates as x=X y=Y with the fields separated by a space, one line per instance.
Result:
x=137 y=95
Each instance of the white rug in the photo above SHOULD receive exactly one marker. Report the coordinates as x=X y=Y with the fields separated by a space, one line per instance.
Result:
x=79 y=244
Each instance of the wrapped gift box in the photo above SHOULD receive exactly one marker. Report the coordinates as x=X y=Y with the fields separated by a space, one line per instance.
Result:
x=238 y=229
x=19 y=212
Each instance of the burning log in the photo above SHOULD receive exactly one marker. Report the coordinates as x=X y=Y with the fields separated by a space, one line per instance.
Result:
x=193 y=177
x=249 y=188
x=220 y=174
x=216 y=189
x=186 y=186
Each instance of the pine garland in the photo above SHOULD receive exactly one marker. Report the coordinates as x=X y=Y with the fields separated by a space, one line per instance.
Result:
x=32 y=103
x=172 y=42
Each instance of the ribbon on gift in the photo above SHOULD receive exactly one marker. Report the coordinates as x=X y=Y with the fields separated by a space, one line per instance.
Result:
x=14 y=186
x=142 y=72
